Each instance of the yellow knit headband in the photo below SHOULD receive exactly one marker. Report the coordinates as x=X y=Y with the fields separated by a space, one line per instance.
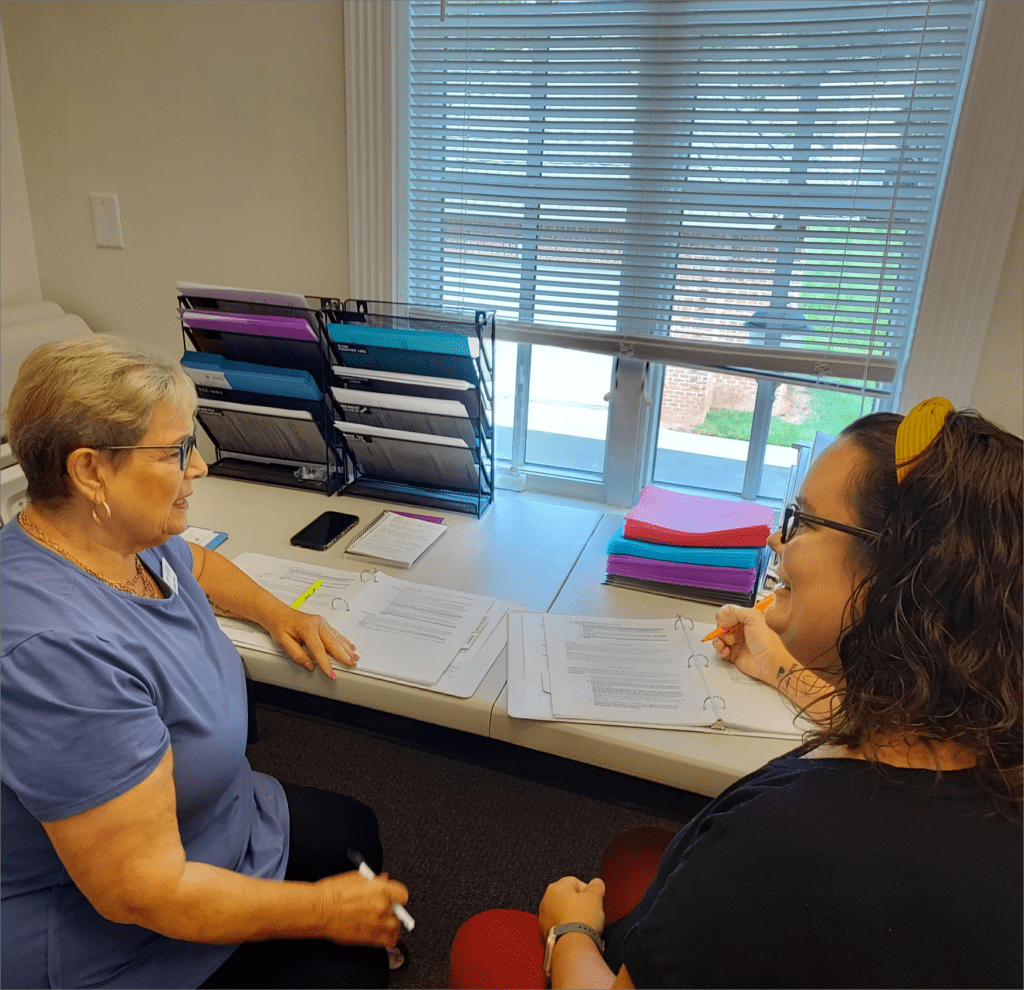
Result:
x=918 y=429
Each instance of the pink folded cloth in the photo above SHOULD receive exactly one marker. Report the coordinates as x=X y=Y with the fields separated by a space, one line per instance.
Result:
x=663 y=516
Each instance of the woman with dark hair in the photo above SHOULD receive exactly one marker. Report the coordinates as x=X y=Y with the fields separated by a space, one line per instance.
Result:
x=885 y=851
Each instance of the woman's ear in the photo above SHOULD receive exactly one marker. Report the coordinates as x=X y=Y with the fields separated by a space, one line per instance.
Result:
x=87 y=472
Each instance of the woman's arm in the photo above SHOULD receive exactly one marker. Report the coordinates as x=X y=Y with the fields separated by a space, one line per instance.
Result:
x=576 y=962
x=305 y=638
x=577 y=965
x=127 y=858
x=759 y=653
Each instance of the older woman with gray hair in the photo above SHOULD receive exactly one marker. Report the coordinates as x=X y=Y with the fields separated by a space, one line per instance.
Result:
x=139 y=847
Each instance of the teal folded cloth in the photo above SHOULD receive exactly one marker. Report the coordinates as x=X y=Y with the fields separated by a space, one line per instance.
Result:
x=712 y=556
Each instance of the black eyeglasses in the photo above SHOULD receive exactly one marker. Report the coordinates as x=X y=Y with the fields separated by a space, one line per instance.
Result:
x=794 y=516
x=184 y=449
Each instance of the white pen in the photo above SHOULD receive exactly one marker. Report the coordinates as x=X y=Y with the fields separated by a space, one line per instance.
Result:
x=364 y=871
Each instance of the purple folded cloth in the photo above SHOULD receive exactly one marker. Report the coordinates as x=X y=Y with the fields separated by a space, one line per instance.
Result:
x=670 y=572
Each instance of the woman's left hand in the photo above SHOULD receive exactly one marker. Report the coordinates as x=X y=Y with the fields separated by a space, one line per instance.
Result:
x=306 y=638
x=310 y=640
x=570 y=899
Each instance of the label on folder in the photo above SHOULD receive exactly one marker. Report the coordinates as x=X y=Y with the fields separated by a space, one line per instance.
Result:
x=208 y=538
x=210 y=377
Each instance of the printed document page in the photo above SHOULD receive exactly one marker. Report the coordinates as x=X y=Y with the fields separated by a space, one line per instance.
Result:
x=466 y=672
x=420 y=632
x=623 y=670
x=287 y=580
x=411 y=631
x=742 y=703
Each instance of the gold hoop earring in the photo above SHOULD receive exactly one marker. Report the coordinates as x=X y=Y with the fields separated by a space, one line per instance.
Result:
x=102 y=522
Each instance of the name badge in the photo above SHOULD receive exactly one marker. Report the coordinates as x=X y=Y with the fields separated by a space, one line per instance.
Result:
x=167 y=573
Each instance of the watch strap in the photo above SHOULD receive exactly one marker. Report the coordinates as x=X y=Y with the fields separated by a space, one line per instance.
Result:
x=570 y=926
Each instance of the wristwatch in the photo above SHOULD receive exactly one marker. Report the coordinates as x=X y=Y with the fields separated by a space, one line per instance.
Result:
x=559 y=930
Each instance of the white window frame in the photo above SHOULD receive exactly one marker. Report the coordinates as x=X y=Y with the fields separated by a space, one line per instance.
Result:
x=973 y=228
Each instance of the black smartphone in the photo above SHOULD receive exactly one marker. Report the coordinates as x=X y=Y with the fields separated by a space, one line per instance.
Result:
x=324 y=531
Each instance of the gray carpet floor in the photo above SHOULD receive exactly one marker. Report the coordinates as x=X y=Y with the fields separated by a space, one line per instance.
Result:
x=461 y=837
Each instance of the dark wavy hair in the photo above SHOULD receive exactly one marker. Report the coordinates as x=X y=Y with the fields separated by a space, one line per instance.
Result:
x=935 y=649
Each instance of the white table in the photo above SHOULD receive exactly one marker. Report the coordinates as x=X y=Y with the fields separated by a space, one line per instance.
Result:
x=702 y=762
x=521 y=551
x=544 y=556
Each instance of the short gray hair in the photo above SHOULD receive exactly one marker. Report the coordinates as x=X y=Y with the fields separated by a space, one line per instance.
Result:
x=97 y=391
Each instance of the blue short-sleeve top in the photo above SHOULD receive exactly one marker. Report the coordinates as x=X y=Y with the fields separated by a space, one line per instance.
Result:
x=96 y=684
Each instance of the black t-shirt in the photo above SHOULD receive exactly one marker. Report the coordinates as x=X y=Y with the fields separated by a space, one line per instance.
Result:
x=830 y=873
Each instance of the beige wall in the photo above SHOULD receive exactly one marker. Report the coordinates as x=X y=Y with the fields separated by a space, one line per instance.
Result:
x=219 y=125
x=19 y=274
x=997 y=389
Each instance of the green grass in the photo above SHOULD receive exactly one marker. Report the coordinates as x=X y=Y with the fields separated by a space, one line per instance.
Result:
x=829 y=413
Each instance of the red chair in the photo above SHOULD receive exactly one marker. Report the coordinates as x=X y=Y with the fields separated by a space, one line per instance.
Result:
x=628 y=867
x=503 y=949
x=499 y=949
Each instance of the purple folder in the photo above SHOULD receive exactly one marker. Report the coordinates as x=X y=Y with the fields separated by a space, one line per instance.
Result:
x=740 y=579
x=255 y=324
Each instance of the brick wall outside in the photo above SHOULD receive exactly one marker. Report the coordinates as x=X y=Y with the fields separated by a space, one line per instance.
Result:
x=689 y=393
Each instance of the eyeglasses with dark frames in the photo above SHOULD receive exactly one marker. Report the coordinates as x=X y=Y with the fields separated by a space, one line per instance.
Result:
x=184 y=449
x=794 y=516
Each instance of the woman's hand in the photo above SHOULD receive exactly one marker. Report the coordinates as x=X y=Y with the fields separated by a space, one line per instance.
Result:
x=759 y=653
x=749 y=644
x=570 y=899
x=309 y=639
x=358 y=911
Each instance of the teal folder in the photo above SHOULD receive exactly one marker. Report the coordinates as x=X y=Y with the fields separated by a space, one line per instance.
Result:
x=214 y=369
x=359 y=334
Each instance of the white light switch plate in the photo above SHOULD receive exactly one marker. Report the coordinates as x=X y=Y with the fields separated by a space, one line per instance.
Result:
x=106 y=220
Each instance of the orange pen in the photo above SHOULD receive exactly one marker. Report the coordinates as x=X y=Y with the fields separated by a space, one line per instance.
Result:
x=760 y=606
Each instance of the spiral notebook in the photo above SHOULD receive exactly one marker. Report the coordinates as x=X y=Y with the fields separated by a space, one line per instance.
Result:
x=397 y=539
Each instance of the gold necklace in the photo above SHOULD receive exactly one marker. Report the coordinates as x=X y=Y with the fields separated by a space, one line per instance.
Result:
x=142 y=577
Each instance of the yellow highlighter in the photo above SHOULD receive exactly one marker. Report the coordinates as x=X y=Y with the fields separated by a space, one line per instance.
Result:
x=302 y=598
x=760 y=606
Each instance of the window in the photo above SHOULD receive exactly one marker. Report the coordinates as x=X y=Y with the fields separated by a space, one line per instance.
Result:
x=743 y=188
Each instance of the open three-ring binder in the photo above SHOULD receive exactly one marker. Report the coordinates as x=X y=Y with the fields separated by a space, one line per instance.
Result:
x=651 y=673
x=382 y=400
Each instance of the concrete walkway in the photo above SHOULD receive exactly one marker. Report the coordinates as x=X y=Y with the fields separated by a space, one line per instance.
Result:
x=571 y=435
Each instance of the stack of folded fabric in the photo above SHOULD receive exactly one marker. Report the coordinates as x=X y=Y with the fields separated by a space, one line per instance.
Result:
x=707 y=549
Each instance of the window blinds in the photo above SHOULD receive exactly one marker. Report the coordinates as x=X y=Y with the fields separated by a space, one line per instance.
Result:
x=740 y=184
